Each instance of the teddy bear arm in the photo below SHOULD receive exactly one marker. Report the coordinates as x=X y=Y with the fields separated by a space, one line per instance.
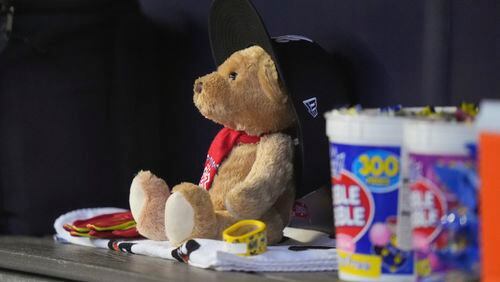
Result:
x=269 y=177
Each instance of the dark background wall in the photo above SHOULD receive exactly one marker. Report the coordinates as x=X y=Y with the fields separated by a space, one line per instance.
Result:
x=93 y=91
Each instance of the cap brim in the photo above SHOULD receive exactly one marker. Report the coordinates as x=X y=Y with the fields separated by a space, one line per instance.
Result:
x=235 y=25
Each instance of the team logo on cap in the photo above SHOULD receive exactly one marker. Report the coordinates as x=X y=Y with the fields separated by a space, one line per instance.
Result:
x=312 y=106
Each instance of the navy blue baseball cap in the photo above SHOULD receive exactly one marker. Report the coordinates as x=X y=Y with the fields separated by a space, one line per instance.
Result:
x=310 y=76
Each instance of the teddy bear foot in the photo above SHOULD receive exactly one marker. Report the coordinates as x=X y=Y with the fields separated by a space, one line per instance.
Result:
x=189 y=214
x=148 y=194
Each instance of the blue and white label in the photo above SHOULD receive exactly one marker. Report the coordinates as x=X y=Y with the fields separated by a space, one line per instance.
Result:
x=378 y=169
x=365 y=192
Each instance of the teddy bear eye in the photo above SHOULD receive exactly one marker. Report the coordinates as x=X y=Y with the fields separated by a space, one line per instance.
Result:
x=233 y=75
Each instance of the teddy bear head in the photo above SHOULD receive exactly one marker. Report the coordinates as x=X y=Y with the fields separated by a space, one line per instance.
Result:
x=245 y=94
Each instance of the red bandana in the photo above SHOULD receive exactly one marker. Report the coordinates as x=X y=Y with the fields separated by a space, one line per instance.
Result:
x=220 y=148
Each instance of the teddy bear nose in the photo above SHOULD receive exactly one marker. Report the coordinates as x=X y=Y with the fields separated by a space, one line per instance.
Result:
x=198 y=87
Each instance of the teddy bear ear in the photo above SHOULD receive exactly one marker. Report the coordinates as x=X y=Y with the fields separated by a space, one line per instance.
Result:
x=269 y=81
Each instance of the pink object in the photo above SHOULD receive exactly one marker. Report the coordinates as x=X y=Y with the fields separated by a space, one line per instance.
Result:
x=380 y=234
x=420 y=242
x=345 y=243
x=434 y=261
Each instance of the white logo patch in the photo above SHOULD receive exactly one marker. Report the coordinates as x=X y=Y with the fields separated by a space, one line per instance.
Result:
x=312 y=106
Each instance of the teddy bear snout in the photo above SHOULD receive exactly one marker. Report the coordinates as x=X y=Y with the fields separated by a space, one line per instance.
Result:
x=198 y=87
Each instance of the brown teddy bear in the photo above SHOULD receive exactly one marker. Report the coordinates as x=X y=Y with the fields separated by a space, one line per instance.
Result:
x=249 y=168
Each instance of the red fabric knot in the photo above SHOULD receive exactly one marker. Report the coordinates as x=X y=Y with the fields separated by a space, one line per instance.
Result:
x=221 y=147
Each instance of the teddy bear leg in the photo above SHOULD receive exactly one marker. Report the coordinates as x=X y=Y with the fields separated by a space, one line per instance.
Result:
x=275 y=226
x=189 y=214
x=224 y=220
x=148 y=194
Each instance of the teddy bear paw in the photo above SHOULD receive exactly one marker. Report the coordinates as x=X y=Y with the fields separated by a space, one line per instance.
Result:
x=189 y=214
x=148 y=194
x=179 y=218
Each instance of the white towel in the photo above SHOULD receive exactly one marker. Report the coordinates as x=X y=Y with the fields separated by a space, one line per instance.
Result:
x=310 y=250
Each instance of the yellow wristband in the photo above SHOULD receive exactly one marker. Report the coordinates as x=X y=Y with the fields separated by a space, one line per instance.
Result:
x=246 y=237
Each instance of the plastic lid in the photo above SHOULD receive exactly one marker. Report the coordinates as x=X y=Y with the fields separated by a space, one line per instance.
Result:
x=366 y=128
x=438 y=137
x=489 y=116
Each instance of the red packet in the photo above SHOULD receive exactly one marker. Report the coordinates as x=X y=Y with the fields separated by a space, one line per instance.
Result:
x=114 y=225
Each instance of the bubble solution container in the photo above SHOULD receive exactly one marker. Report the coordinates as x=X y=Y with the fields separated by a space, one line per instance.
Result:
x=432 y=147
x=365 y=154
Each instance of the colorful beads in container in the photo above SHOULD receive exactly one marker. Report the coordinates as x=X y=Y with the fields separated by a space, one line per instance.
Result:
x=443 y=198
x=365 y=155
x=404 y=192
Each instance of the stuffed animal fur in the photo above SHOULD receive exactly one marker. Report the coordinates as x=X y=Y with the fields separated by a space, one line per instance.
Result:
x=254 y=181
